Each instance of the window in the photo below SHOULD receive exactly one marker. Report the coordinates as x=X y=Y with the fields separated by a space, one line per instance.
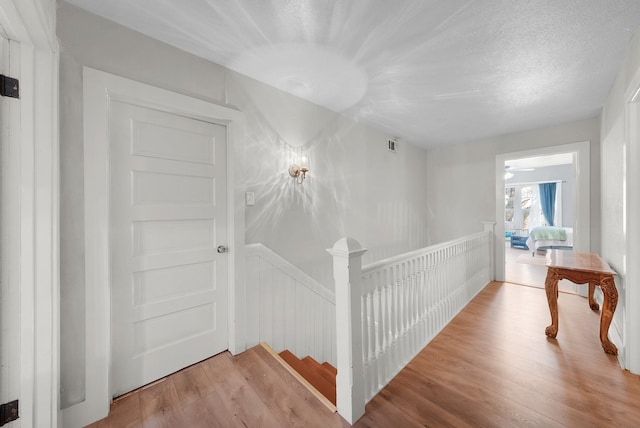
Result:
x=522 y=207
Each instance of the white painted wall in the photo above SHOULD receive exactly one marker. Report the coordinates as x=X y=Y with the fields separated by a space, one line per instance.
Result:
x=355 y=186
x=461 y=179
x=617 y=217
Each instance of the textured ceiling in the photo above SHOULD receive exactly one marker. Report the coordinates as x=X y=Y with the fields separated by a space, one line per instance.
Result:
x=431 y=72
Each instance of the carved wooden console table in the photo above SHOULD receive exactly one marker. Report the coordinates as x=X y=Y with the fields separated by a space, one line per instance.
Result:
x=580 y=268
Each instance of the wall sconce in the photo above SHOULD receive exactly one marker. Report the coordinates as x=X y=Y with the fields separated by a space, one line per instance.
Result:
x=299 y=168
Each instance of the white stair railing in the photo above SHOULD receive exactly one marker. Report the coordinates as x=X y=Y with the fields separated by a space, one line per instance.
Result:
x=388 y=311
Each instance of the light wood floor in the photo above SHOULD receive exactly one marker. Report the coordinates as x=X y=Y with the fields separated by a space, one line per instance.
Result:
x=248 y=390
x=492 y=366
x=530 y=274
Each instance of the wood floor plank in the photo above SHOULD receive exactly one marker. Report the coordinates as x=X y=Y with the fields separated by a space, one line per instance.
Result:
x=192 y=384
x=508 y=396
x=243 y=405
x=536 y=384
x=219 y=413
x=197 y=415
x=410 y=402
x=125 y=412
x=160 y=405
x=448 y=400
x=387 y=413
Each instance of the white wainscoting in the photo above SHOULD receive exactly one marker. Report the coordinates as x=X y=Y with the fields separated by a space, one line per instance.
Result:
x=288 y=309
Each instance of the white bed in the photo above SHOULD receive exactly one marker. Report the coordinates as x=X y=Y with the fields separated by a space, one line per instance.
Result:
x=541 y=239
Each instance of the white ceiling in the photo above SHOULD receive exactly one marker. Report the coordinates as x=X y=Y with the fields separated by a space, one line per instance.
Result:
x=431 y=72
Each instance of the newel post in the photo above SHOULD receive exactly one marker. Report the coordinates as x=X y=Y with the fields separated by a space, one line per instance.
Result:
x=347 y=272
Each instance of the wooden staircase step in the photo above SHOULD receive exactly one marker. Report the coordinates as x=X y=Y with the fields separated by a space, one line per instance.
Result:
x=312 y=366
x=309 y=370
x=289 y=357
x=330 y=368
x=312 y=389
x=321 y=369
x=313 y=372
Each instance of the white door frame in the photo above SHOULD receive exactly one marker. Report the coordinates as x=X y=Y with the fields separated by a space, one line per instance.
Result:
x=630 y=357
x=582 y=197
x=30 y=26
x=99 y=88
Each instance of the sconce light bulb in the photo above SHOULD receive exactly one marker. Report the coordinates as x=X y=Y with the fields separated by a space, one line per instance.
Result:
x=304 y=163
x=298 y=172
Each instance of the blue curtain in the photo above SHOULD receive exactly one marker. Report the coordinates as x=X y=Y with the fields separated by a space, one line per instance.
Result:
x=548 y=201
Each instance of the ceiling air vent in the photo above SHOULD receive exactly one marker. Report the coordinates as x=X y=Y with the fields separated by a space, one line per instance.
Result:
x=392 y=145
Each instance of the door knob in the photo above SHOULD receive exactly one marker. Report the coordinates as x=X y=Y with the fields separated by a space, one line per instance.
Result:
x=222 y=249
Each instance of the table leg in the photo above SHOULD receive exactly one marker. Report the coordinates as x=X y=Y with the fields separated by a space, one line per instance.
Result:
x=608 y=286
x=551 y=288
x=592 y=303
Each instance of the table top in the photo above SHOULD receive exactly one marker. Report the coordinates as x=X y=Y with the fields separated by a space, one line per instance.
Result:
x=586 y=262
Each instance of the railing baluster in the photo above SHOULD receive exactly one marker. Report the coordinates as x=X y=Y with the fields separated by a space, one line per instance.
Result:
x=366 y=327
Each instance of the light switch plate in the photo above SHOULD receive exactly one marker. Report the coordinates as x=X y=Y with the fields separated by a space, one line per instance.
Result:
x=250 y=199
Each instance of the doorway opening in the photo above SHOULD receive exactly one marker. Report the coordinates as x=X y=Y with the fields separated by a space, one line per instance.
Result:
x=538 y=197
x=525 y=212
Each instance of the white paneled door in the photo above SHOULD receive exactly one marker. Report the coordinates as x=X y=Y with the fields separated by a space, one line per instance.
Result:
x=168 y=218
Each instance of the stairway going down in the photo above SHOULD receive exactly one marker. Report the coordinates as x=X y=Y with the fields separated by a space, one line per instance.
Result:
x=321 y=376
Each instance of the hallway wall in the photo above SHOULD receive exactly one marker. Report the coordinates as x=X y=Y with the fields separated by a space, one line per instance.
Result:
x=355 y=186
x=461 y=179
x=616 y=164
